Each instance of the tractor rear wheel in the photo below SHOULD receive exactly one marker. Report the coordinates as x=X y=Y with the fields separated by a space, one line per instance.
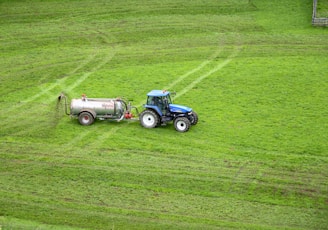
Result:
x=85 y=118
x=181 y=124
x=149 y=119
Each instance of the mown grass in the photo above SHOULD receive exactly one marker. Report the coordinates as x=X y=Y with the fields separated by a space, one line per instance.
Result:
x=254 y=71
x=322 y=9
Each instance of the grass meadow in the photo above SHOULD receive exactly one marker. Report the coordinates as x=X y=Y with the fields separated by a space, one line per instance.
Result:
x=322 y=8
x=255 y=72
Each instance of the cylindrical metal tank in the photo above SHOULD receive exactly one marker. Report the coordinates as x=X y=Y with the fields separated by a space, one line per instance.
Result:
x=101 y=107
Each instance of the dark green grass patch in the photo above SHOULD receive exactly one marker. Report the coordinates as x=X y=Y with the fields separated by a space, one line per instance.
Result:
x=322 y=9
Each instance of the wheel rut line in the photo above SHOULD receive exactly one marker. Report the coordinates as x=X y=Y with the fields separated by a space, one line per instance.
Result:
x=86 y=75
x=61 y=82
x=78 y=138
x=103 y=138
x=215 y=69
x=46 y=90
x=199 y=67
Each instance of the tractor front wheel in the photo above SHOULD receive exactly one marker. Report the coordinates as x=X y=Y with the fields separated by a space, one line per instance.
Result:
x=149 y=119
x=194 y=118
x=182 y=124
x=85 y=118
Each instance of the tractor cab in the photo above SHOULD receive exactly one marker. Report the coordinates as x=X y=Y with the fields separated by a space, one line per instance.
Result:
x=159 y=101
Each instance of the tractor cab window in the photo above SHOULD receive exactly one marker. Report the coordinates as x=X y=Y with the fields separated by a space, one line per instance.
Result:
x=155 y=101
x=159 y=101
x=162 y=102
x=167 y=99
x=150 y=101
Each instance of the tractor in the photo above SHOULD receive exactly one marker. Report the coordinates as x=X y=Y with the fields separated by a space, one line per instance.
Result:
x=159 y=110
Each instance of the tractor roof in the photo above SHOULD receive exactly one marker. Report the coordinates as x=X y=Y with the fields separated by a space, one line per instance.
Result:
x=158 y=93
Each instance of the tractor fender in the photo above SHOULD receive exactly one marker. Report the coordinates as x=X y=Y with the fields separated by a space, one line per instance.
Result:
x=155 y=108
x=91 y=111
x=180 y=115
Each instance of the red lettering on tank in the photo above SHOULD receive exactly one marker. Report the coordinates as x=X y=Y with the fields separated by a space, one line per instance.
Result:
x=108 y=105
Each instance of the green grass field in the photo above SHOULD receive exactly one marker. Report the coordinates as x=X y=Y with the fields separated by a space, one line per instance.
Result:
x=254 y=71
x=322 y=8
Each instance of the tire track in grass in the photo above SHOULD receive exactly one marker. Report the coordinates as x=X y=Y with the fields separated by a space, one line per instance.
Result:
x=31 y=110
x=99 y=139
x=202 y=77
x=60 y=81
x=70 y=88
x=82 y=79
x=109 y=56
x=86 y=75
x=77 y=139
x=102 y=138
x=201 y=66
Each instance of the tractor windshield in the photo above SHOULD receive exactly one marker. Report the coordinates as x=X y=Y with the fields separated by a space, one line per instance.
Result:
x=156 y=100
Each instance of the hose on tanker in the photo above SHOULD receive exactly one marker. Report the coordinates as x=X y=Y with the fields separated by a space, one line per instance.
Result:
x=59 y=99
x=128 y=108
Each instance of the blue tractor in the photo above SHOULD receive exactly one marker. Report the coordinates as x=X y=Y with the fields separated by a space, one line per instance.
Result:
x=159 y=110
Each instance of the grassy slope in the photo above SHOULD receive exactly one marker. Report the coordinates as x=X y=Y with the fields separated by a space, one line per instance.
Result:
x=254 y=72
x=322 y=9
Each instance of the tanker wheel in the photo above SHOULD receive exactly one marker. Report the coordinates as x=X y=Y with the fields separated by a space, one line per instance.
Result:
x=149 y=119
x=182 y=124
x=85 y=118
x=194 y=118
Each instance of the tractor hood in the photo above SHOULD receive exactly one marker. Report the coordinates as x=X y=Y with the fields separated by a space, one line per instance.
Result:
x=179 y=108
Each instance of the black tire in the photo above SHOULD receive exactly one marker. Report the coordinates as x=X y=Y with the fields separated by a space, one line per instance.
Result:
x=181 y=124
x=194 y=118
x=86 y=118
x=149 y=119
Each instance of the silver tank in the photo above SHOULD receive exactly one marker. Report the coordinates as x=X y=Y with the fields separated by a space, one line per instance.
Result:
x=101 y=107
